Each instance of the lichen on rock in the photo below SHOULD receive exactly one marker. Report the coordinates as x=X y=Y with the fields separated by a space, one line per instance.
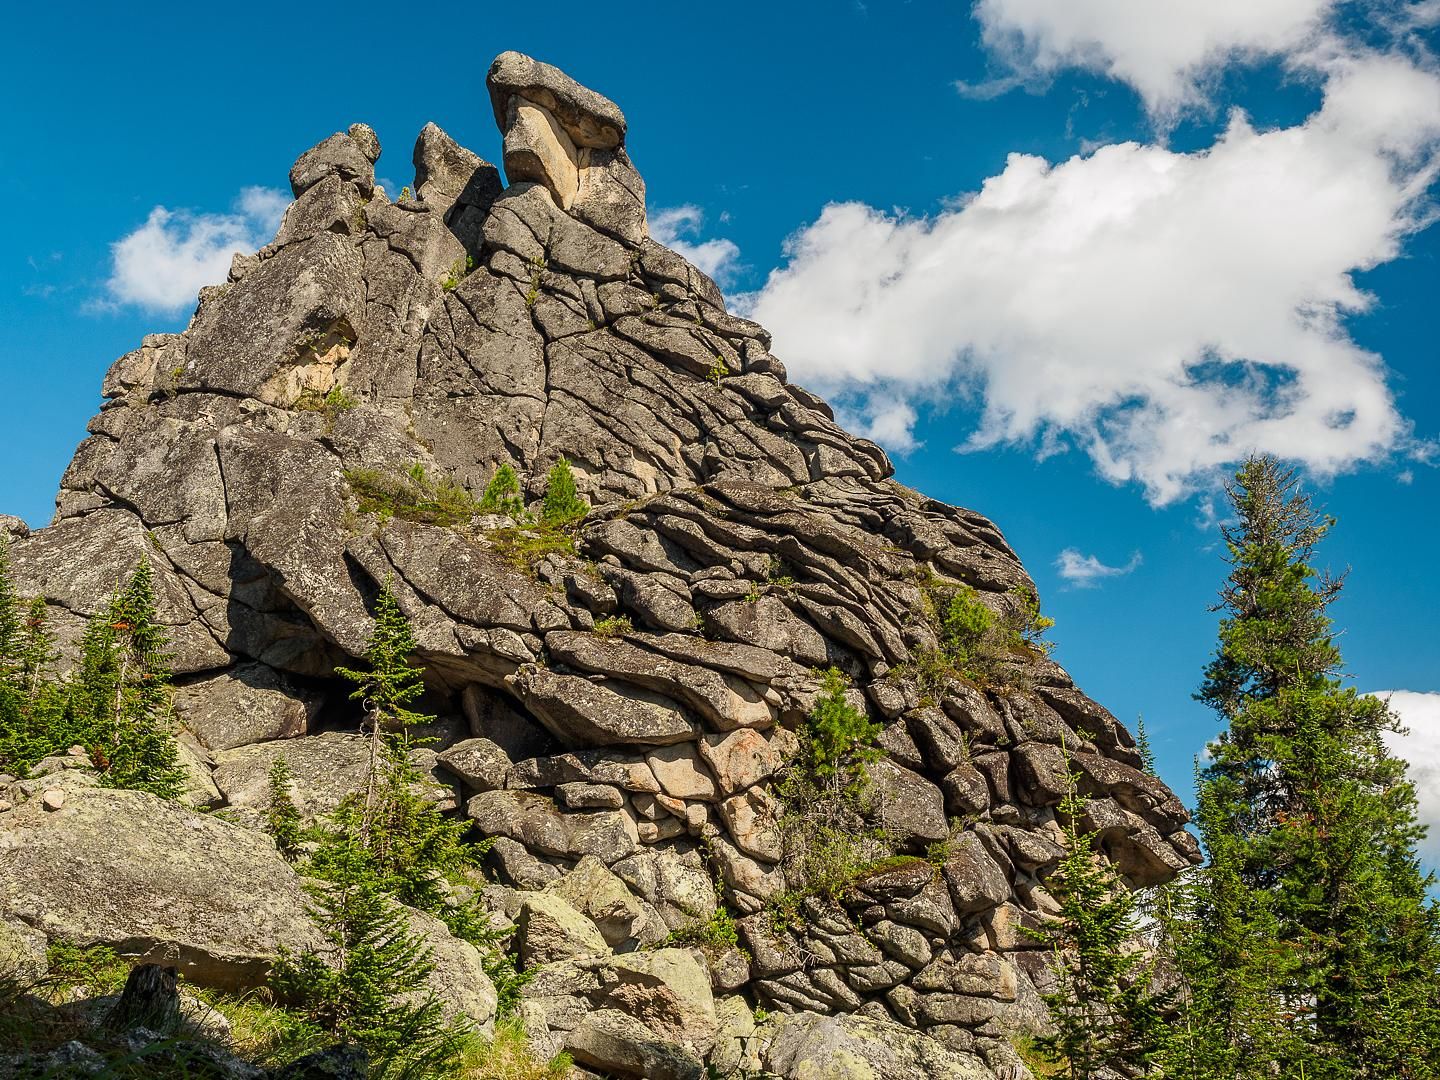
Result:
x=621 y=696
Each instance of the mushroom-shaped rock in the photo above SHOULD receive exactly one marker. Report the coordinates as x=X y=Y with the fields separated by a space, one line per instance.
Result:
x=570 y=140
x=588 y=118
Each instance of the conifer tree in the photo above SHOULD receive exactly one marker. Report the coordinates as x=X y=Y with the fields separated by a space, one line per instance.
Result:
x=32 y=703
x=36 y=653
x=412 y=847
x=385 y=688
x=119 y=701
x=282 y=816
x=502 y=494
x=1311 y=949
x=10 y=616
x=370 y=987
x=562 y=498
x=1108 y=1019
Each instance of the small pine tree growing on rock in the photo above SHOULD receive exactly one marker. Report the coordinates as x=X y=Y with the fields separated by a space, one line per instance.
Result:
x=562 y=498
x=370 y=986
x=385 y=688
x=282 y=816
x=502 y=494
x=10 y=617
x=143 y=755
x=839 y=741
x=1108 y=1021
x=118 y=703
x=411 y=846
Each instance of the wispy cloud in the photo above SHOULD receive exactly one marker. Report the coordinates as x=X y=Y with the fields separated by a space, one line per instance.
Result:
x=1087 y=572
x=678 y=228
x=163 y=264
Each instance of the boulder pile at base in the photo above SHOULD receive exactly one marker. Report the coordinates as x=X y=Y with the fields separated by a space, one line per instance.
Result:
x=614 y=710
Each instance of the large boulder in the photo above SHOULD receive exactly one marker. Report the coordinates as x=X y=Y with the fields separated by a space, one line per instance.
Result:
x=807 y=1046
x=153 y=880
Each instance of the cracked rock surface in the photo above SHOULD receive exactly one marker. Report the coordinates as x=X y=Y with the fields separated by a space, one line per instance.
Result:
x=738 y=540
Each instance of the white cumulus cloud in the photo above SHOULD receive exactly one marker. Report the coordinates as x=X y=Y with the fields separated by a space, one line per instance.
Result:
x=1420 y=713
x=678 y=228
x=163 y=264
x=1165 y=49
x=1087 y=571
x=1165 y=312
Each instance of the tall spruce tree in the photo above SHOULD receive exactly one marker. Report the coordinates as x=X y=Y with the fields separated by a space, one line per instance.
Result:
x=1310 y=949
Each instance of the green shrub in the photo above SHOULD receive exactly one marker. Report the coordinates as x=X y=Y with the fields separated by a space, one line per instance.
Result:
x=562 y=499
x=614 y=626
x=978 y=644
x=462 y=265
x=412 y=496
x=282 y=817
x=337 y=401
x=825 y=834
x=713 y=936
x=524 y=547
x=502 y=494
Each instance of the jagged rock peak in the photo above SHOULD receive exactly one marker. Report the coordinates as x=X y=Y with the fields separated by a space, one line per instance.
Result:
x=616 y=700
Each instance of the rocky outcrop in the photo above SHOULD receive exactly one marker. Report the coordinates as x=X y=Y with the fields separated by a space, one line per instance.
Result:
x=160 y=882
x=616 y=701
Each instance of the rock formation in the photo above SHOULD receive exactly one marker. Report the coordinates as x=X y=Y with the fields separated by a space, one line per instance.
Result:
x=738 y=542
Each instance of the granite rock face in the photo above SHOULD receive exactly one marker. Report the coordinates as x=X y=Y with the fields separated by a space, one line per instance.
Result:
x=737 y=540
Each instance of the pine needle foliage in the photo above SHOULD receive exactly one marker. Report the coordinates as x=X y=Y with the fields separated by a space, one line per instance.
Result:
x=502 y=494
x=1311 y=948
x=370 y=986
x=1108 y=1020
x=825 y=831
x=282 y=816
x=562 y=498
x=10 y=616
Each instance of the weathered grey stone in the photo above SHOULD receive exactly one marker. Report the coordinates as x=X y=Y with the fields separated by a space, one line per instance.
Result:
x=251 y=703
x=549 y=928
x=976 y=883
x=753 y=819
x=908 y=807
x=805 y=1045
x=591 y=714
x=479 y=763
x=325 y=768
x=617 y=1043
x=446 y=174
x=625 y=921
x=156 y=880
x=325 y=426
x=342 y=155
x=540 y=825
x=582 y=796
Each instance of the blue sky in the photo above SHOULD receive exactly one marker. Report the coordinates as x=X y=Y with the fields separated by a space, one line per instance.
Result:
x=1067 y=259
